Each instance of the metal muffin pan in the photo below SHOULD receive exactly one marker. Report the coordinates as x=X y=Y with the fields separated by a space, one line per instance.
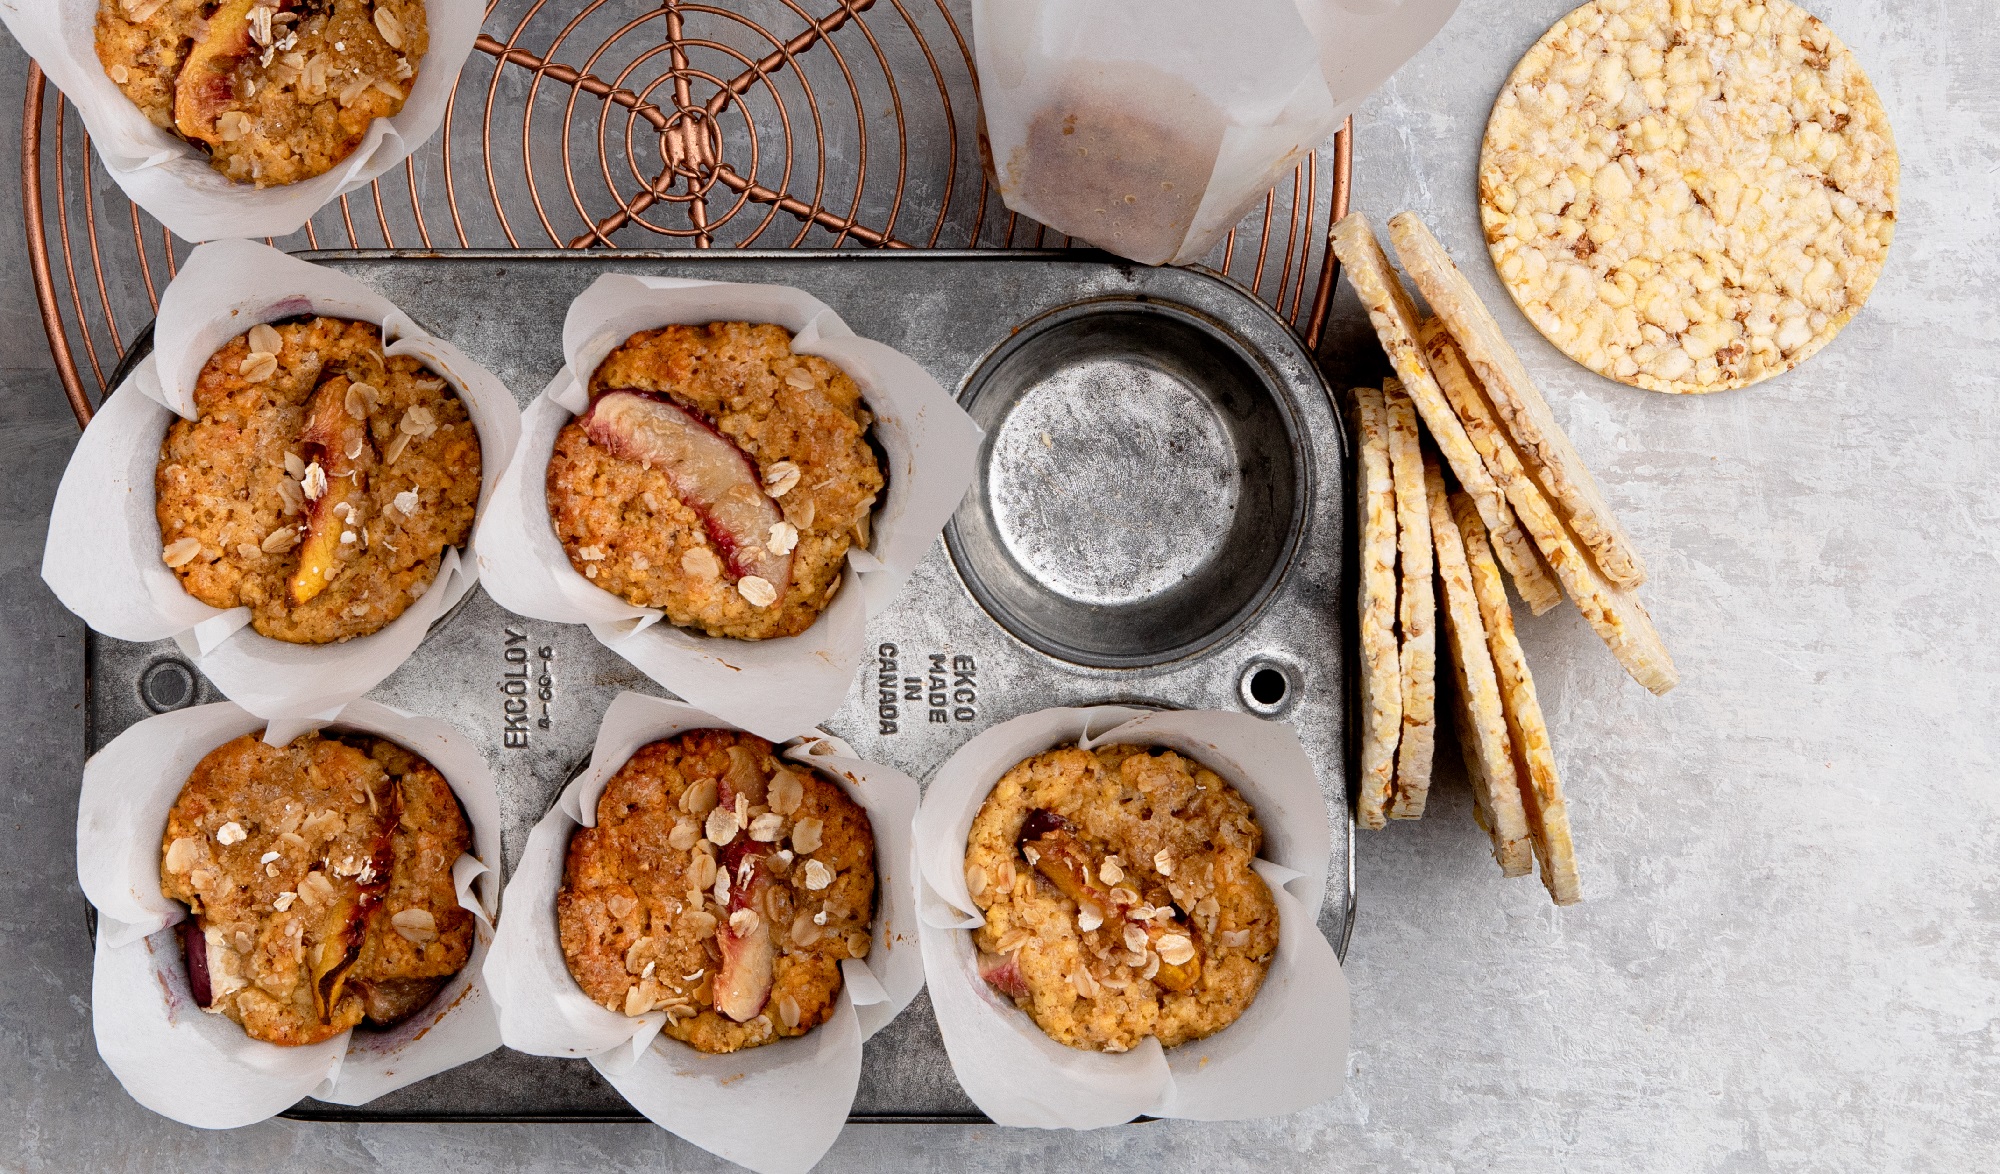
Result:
x=1158 y=519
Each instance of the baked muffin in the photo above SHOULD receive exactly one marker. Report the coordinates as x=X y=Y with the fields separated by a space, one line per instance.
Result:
x=321 y=482
x=1119 y=898
x=275 y=91
x=319 y=876
x=718 y=477
x=721 y=886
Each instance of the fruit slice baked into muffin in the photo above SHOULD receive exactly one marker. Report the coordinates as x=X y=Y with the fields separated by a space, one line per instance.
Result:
x=320 y=483
x=717 y=476
x=721 y=886
x=1119 y=896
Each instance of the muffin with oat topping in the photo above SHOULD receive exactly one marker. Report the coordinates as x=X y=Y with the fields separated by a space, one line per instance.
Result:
x=721 y=886
x=1119 y=896
x=319 y=484
x=276 y=91
x=719 y=477
x=319 y=876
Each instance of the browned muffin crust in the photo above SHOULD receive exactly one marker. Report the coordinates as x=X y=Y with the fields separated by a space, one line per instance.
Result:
x=233 y=486
x=653 y=897
x=276 y=91
x=1154 y=833
x=798 y=419
x=320 y=877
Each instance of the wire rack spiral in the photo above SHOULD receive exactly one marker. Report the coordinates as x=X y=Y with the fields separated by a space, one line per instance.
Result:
x=623 y=124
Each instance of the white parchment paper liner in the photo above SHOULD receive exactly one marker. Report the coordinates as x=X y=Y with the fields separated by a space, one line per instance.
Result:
x=775 y=1108
x=201 y=1069
x=1288 y=1051
x=777 y=688
x=1280 y=76
x=173 y=180
x=103 y=554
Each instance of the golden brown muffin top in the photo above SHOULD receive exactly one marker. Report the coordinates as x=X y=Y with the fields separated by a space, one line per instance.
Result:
x=797 y=421
x=319 y=874
x=1119 y=896
x=722 y=886
x=276 y=91
x=389 y=479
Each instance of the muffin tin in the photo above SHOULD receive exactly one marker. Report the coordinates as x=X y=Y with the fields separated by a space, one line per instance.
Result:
x=1157 y=519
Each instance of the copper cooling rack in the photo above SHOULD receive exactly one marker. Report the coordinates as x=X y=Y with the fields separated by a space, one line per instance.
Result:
x=614 y=123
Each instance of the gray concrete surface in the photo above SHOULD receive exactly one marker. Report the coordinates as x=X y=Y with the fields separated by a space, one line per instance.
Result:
x=1790 y=955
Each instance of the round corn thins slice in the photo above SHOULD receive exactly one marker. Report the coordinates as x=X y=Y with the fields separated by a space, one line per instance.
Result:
x=1381 y=664
x=1689 y=195
x=1545 y=449
x=1416 y=609
x=1511 y=543
x=1480 y=713
x=1394 y=317
x=1528 y=734
x=1614 y=612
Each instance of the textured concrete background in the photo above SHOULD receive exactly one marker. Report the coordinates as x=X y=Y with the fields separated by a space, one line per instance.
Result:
x=1790 y=954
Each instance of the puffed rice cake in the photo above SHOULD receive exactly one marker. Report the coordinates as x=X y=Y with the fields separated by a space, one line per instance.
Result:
x=1478 y=707
x=1394 y=317
x=1614 y=613
x=1381 y=662
x=1542 y=799
x=1416 y=606
x=1689 y=195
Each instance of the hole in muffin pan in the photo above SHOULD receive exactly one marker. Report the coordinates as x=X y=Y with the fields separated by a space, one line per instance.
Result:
x=168 y=685
x=1140 y=490
x=1267 y=687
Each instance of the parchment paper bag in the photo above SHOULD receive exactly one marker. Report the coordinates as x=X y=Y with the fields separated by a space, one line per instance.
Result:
x=1150 y=127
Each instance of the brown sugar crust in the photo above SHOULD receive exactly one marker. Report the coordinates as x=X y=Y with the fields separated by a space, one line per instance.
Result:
x=1147 y=806
x=624 y=527
x=305 y=96
x=639 y=930
x=224 y=483
x=320 y=874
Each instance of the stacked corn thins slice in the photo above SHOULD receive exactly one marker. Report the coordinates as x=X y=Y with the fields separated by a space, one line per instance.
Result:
x=1526 y=504
x=1398 y=609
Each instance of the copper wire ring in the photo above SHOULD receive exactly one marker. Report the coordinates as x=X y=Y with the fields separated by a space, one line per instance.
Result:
x=721 y=116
